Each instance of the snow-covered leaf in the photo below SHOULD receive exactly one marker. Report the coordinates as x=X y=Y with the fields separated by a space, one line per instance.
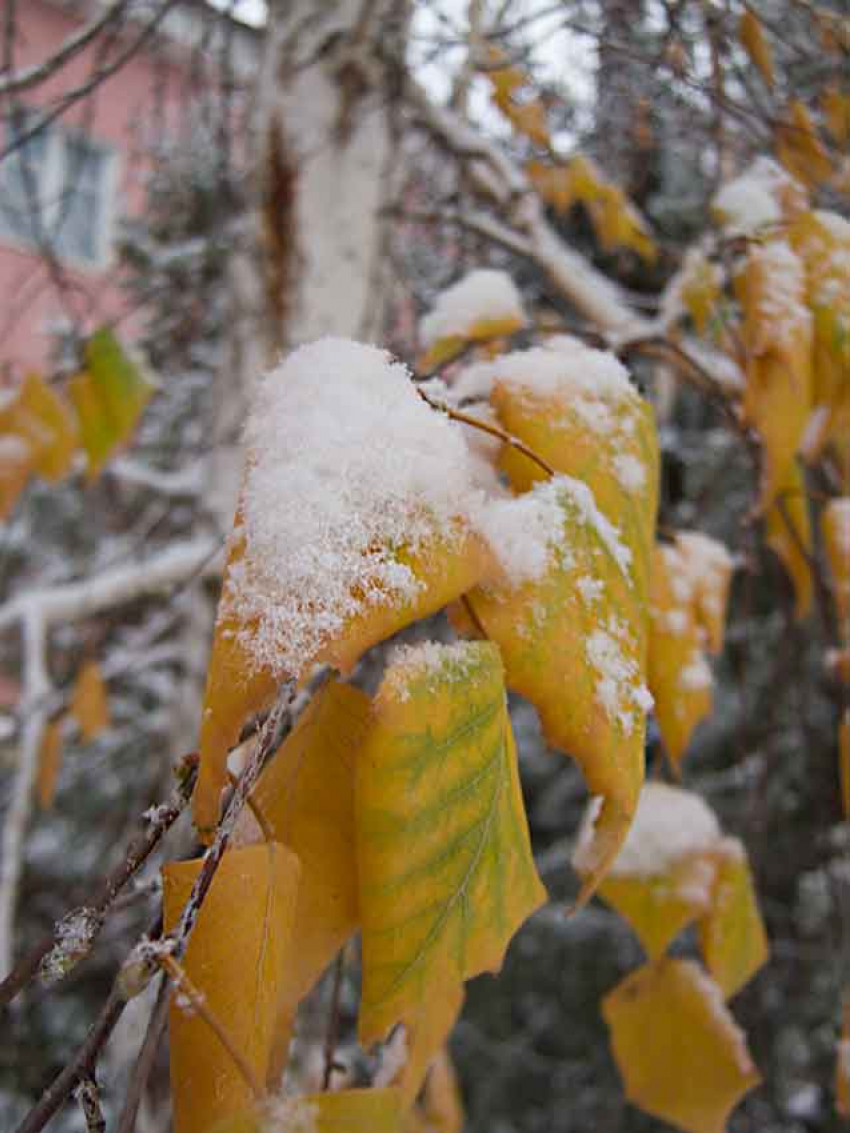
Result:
x=678 y=1050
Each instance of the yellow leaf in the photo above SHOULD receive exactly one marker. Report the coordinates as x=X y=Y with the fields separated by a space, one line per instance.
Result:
x=239 y=958
x=444 y=860
x=778 y=337
x=788 y=532
x=88 y=703
x=603 y=436
x=700 y=289
x=836 y=112
x=513 y=93
x=732 y=936
x=16 y=466
x=844 y=764
x=481 y=330
x=800 y=149
x=573 y=642
x=306 y=799
x=239 y=687
x=440 y=1108
x=586 y=178
x=49 y=762
x=754 y=42
x=109 y=396
x=679 y=678
x=835 y=525
x=343 y=1111
x=708 y=567
x=43 y=420
x=678 y=1050
x=553 y=183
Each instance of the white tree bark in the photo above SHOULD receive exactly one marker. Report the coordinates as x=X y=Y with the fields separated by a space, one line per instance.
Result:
x=325 y=149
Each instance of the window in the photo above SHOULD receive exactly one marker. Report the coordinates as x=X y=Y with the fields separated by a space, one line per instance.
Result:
x=56 y=187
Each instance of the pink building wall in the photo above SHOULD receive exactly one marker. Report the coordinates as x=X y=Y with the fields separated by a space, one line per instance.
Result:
x=148 y=95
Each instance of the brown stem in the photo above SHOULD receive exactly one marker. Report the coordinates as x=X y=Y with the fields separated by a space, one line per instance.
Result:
x=146 y=1059
x=179 y=976
x=493 y=430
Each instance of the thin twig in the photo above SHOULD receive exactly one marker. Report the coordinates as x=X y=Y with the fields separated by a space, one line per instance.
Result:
x=180 y=977
x=493 y=430
x=80 y=1066
x=147 y=1057
x=136 y=855
x=88 y=1096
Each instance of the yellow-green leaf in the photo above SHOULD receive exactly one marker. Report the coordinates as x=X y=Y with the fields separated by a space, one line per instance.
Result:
x=305 y=797
x=239 y=958
x=680 y=1054
x=89 y=705
x=444 y=860
x=109 y=396
x=732 y=936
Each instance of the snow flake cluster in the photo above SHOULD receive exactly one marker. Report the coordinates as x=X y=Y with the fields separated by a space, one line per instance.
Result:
x=610 y=651
x=431 y=663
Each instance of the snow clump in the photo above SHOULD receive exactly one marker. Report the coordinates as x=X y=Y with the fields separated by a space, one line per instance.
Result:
x=484 y=295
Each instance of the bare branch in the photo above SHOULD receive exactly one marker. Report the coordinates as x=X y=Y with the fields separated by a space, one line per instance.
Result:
x=75 y=43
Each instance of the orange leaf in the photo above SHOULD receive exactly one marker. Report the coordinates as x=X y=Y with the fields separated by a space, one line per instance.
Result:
x=40 y=417
x=553 y=184
x=700 y=288
x=444 y=859
x=732 y=936
x=49 y=762
x=88 y=703
x=306 y=799
x=239 y=958
x=678 y=1050
x=836 y=112
x=754 y=42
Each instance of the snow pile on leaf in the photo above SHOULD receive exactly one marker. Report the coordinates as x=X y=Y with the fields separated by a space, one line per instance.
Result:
x=670 y=824
x=347 y=465
x=757 y=198
x=484 y=296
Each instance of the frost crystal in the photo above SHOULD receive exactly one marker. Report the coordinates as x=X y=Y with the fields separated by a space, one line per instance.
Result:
x=431 y=663
x=73 y=937
x=483 y=295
